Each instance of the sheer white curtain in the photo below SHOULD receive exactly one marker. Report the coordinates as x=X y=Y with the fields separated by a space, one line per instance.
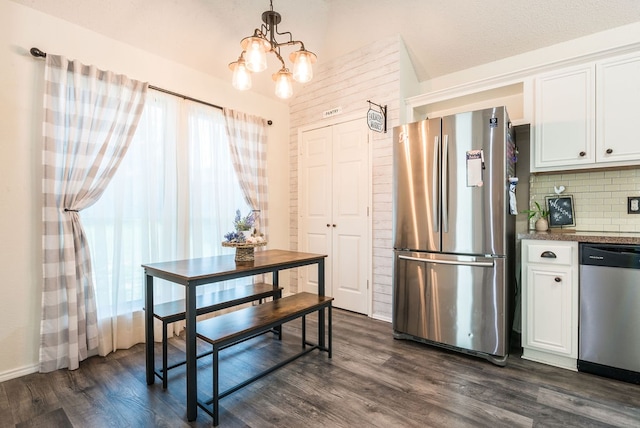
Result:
x=90 y=117
x=215 y=191
x=174 y=197
x=248 y=144
x=136 y=222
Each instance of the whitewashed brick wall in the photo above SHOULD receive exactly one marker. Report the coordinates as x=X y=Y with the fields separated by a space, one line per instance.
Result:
x=599 y=197
x=371 y=73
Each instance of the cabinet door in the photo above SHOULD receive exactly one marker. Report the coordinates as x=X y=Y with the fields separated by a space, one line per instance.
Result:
x=549 y=310
x=618 y=109
x=564 y=118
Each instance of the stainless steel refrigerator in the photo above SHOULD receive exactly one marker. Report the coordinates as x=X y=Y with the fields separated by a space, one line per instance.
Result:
x=453 y=234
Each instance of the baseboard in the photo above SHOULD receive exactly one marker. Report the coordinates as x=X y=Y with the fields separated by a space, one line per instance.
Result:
x=16 y=373
x=381 y=318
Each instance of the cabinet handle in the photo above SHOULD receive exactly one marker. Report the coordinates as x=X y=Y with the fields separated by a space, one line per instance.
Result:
x=557 y=279
x=609 y=151
x=549 y=255
x=583 y=154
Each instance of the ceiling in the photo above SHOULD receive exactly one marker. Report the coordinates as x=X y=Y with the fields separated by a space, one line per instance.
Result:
x=441 y=36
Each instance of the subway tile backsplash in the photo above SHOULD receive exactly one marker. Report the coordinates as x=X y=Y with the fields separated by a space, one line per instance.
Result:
x=599 y=197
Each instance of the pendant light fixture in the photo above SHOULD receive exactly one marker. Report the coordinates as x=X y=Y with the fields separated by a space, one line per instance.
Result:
x=253 y=58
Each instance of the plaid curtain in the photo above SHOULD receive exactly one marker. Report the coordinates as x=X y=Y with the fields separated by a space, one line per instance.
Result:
x=90 y=117
x=248 y=141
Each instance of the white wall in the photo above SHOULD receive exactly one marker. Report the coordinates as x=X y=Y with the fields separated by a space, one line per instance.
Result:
x=21 y=87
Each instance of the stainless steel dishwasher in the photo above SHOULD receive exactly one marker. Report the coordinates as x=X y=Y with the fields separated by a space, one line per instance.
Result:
x=609 y=338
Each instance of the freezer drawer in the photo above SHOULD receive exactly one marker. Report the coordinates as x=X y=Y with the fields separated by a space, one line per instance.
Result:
x=456 y=301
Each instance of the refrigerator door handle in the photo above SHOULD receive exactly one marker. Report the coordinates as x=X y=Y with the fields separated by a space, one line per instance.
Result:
x=434 y=185
x=449 y=262
x=445 y=185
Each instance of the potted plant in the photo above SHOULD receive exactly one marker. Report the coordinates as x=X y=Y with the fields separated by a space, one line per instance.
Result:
x=542 y=224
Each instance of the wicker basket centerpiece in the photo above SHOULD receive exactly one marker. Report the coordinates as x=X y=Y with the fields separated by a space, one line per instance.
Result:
x=244 y=250
x=245 y=238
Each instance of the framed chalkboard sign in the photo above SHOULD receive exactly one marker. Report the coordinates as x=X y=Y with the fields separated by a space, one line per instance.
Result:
x=560 y=211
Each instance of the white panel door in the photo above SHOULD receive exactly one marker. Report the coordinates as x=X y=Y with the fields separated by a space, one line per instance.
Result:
x=315 y=203
x=349 y=255
x=334 y=205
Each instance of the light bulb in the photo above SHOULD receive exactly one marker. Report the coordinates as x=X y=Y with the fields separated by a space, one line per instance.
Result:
x=284 y=87
x=241 y=79
x=302 y=65
x=255 y=53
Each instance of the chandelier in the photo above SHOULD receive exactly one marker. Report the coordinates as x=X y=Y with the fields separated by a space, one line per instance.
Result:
x=253 y=58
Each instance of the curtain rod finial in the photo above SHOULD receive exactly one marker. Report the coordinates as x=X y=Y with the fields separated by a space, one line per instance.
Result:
x=37 y=52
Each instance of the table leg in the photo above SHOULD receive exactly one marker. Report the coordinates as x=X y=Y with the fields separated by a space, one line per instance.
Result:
x=148 y=329
x=275 y=279
x=276 y=282
x=190 y=336
x=321 y=292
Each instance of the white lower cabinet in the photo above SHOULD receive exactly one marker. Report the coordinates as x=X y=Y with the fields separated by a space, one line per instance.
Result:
x=550 y=302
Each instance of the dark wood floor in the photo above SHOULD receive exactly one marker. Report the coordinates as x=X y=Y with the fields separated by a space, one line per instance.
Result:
x=372 y=381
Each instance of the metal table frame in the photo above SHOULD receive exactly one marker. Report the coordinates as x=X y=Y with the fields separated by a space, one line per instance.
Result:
x=195 y=272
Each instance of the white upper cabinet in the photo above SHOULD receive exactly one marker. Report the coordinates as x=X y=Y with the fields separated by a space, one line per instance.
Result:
x=618 y=109
x=585 y=115
x=564 y=109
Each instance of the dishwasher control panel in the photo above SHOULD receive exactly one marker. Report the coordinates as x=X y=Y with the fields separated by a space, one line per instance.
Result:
x=624 y=256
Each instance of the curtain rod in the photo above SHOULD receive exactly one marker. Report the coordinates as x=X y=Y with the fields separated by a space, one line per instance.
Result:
x=40 y=54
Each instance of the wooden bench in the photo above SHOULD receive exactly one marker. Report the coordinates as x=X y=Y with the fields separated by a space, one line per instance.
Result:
x=232 y=328
x=173 y=311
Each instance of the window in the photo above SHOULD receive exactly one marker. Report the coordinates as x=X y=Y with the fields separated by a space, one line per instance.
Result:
x=174 y=196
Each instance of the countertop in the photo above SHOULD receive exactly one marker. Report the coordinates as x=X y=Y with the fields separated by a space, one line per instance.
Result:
x=632 y=238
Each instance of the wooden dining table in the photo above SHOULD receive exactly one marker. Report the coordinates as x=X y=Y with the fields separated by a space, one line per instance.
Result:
x=192 y=273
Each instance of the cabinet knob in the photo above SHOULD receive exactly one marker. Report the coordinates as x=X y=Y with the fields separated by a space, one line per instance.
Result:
x=549 y=255
x=609 y=151
x=334 y=225
x=583 y=154
x=557 y=279
x=328 y=225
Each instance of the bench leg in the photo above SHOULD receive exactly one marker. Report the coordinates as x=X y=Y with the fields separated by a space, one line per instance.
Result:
x=216 y=388
x=304 y=331
x=165 y=326
x=329 y=329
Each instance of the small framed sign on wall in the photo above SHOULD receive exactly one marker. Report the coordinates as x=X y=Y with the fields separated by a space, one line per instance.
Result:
x=561 y=211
